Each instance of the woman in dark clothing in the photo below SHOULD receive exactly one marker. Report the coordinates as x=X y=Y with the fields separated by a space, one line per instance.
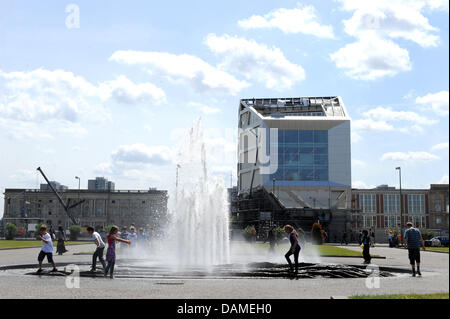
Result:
x=295 y=247
x=61 y=237
x=365 y=240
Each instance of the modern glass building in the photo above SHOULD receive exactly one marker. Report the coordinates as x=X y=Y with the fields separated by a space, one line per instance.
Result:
x=298 y=149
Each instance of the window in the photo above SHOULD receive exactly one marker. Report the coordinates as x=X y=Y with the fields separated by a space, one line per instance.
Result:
x=391 y=203
x=302 y=155
x=437 y=203
x=446 y=204
x=368 y=203
x=416 y=203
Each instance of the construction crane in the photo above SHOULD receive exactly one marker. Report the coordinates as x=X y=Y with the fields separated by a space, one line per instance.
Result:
x=67 y=205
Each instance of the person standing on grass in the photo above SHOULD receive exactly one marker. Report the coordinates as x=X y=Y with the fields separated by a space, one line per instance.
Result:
x=111 y=252
x=61 y=237
x=294 y=249
x=365 y=240
x=46 y=250
x=98 y=251
x=413 y=242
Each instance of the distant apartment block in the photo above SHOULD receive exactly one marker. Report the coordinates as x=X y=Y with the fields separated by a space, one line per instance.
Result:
x=57 y=186
x=100 y=183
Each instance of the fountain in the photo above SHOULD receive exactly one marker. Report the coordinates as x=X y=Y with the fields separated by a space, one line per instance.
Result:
x=200 y=208
x=196 y=243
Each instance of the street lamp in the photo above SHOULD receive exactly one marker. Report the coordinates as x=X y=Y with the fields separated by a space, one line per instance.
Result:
x=401 y=202
x=76 y=177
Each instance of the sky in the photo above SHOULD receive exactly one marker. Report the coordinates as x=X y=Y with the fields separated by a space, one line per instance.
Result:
x=109 y=88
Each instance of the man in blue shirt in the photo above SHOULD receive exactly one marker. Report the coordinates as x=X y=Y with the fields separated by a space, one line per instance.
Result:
x=413 y=242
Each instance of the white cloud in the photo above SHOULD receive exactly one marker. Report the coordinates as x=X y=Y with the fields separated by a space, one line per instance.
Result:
x=391 y=19
x=409 y=156
x=371 y=125
x=298 y=20
x=438 y=102
x=183 y=68
x=205 y=109
x=440 y=146
x=37 y=101
x=41 y=94
x=387 y=114
x=256 y=61
x=142 y=154
x=361 y=185
x=371 y=58
x=382 y=118
x=125 y=91
x=444 y=179
x=375 y=24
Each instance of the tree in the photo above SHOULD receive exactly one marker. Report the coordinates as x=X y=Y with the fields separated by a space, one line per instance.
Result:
x=427 y=234
x=249 y=233
x=11 y=230
x=75 y=231
x=279 y=233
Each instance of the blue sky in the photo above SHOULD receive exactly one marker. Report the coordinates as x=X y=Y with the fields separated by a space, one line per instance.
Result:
x=111 y=94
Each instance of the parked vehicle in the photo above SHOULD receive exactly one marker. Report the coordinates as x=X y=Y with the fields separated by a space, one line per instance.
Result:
x=437 y=241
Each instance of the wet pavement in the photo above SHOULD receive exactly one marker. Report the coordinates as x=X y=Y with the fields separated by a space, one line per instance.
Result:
x=144 y=279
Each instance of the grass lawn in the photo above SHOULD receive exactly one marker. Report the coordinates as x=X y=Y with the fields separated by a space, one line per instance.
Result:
x=442 y=295
x=442 y=249
x=33 y=243
x=322 y=250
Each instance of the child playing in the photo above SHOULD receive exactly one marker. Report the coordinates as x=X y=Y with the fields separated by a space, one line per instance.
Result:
x=99 y=250
x=46 y=250
x=132 y=237
x=294 y=249
x=111 y=252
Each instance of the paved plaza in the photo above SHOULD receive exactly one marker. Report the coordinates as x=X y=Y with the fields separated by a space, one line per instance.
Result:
x=16 y=284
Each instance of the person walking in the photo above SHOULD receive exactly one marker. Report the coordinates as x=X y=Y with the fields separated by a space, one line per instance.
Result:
x=294 y=249
x=390 y=239
x=98 y=251
x=365 y=242
x=61 y=238
x=111 y=252
x=413 y=242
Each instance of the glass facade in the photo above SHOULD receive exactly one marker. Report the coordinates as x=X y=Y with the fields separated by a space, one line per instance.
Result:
x=416 y=204
x=368 y=203
x=302 y=155
x=391 y=203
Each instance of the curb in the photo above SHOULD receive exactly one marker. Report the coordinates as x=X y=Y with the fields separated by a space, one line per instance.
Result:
x=337 y=256
x=28 y=247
